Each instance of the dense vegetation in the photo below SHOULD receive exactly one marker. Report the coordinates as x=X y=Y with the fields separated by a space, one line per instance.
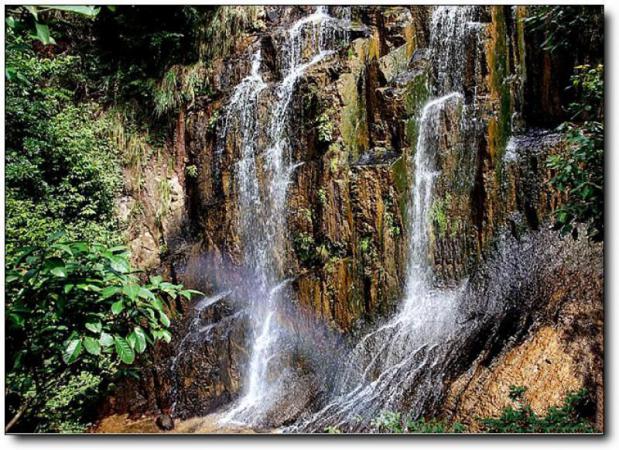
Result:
x=575 y=33
x=78 y=315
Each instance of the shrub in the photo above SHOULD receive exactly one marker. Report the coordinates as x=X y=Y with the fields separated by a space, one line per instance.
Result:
x=522 y=419
x=77 y=315
x=579 y=172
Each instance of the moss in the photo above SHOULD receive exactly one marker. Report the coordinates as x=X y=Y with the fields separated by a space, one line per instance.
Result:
x=322 y=196
x=417 y=94
x=399 y=173
x=365 y=244
x=439 y=216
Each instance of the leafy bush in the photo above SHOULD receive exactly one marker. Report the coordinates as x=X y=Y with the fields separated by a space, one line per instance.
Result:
x=62 y=170
x=76 y=314
x=579 y=172
x=522 y=419
x=566 y=26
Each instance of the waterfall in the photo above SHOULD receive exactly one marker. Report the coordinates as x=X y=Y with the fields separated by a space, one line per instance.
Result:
x=262 y=209
x=402 y=363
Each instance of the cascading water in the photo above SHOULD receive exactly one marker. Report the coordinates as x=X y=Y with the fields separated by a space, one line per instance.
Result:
x=262 y=209
x=402 y=363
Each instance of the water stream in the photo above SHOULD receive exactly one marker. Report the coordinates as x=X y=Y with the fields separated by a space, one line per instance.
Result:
x=263 y=208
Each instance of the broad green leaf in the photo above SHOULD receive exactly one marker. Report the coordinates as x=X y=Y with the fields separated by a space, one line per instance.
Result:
x=33 y=10
x=106 y=340
x=156 y=280
x=117 y=307
x=72 y=351
x=95 y=327
x=157 y=304
x=123 y=350
x=131 y=340
x=119 y=264
x=164 y=319
x=56 y=267
x=167 y=336
x=109 y=291
x=11 y=22
x=145 y=293
x=140 y=344
x=131 y=290
x=43 y=34
x=68 y=287
x=92 y=346
x=90 y=11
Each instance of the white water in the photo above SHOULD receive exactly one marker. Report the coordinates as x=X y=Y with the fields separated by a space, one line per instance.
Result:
x=402 y=363
x=262 y=209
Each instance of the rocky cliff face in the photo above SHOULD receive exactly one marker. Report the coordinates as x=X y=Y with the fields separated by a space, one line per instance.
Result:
x=356 y=118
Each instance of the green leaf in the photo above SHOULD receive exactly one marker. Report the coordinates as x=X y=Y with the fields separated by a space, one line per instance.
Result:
x=162 y=335
x=43 y=34
x=119 y=264
x=68 y=287
x=157 y=304
x=156 y=280
x=89 y=11
x=131 y=290
x=56 y=267
x=95 y=327
x=140 y=344
x=106 y=340
x=117 y=307
x=92 y=346
x=167 y=336
x=11 y=22
x=131 y=340
x=164 y=319
x=33 y=10
x=123 y=350
x=109 y=291
x=72 y=351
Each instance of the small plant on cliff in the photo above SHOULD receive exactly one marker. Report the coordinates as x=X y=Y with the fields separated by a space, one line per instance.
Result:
x=191 y=171
x=579 y=172
x=522 y=419
x=77 y=316
x=325 y=128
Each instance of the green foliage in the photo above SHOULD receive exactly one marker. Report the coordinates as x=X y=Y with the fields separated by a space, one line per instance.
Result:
x=563 y=26
x=179 y=86
x=219 y=34
x=62 y=171
x=322 y=196
x=579 y=172
x=325 y=128
x=191 y=171
x=76 y=314
x=522 y=419
x=33 y=17
x=304 y=247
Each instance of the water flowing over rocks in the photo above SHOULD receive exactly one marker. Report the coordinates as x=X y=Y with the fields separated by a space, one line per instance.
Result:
x=371 y=221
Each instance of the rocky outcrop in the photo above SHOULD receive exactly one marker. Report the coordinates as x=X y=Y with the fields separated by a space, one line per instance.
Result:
x=357 y=115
